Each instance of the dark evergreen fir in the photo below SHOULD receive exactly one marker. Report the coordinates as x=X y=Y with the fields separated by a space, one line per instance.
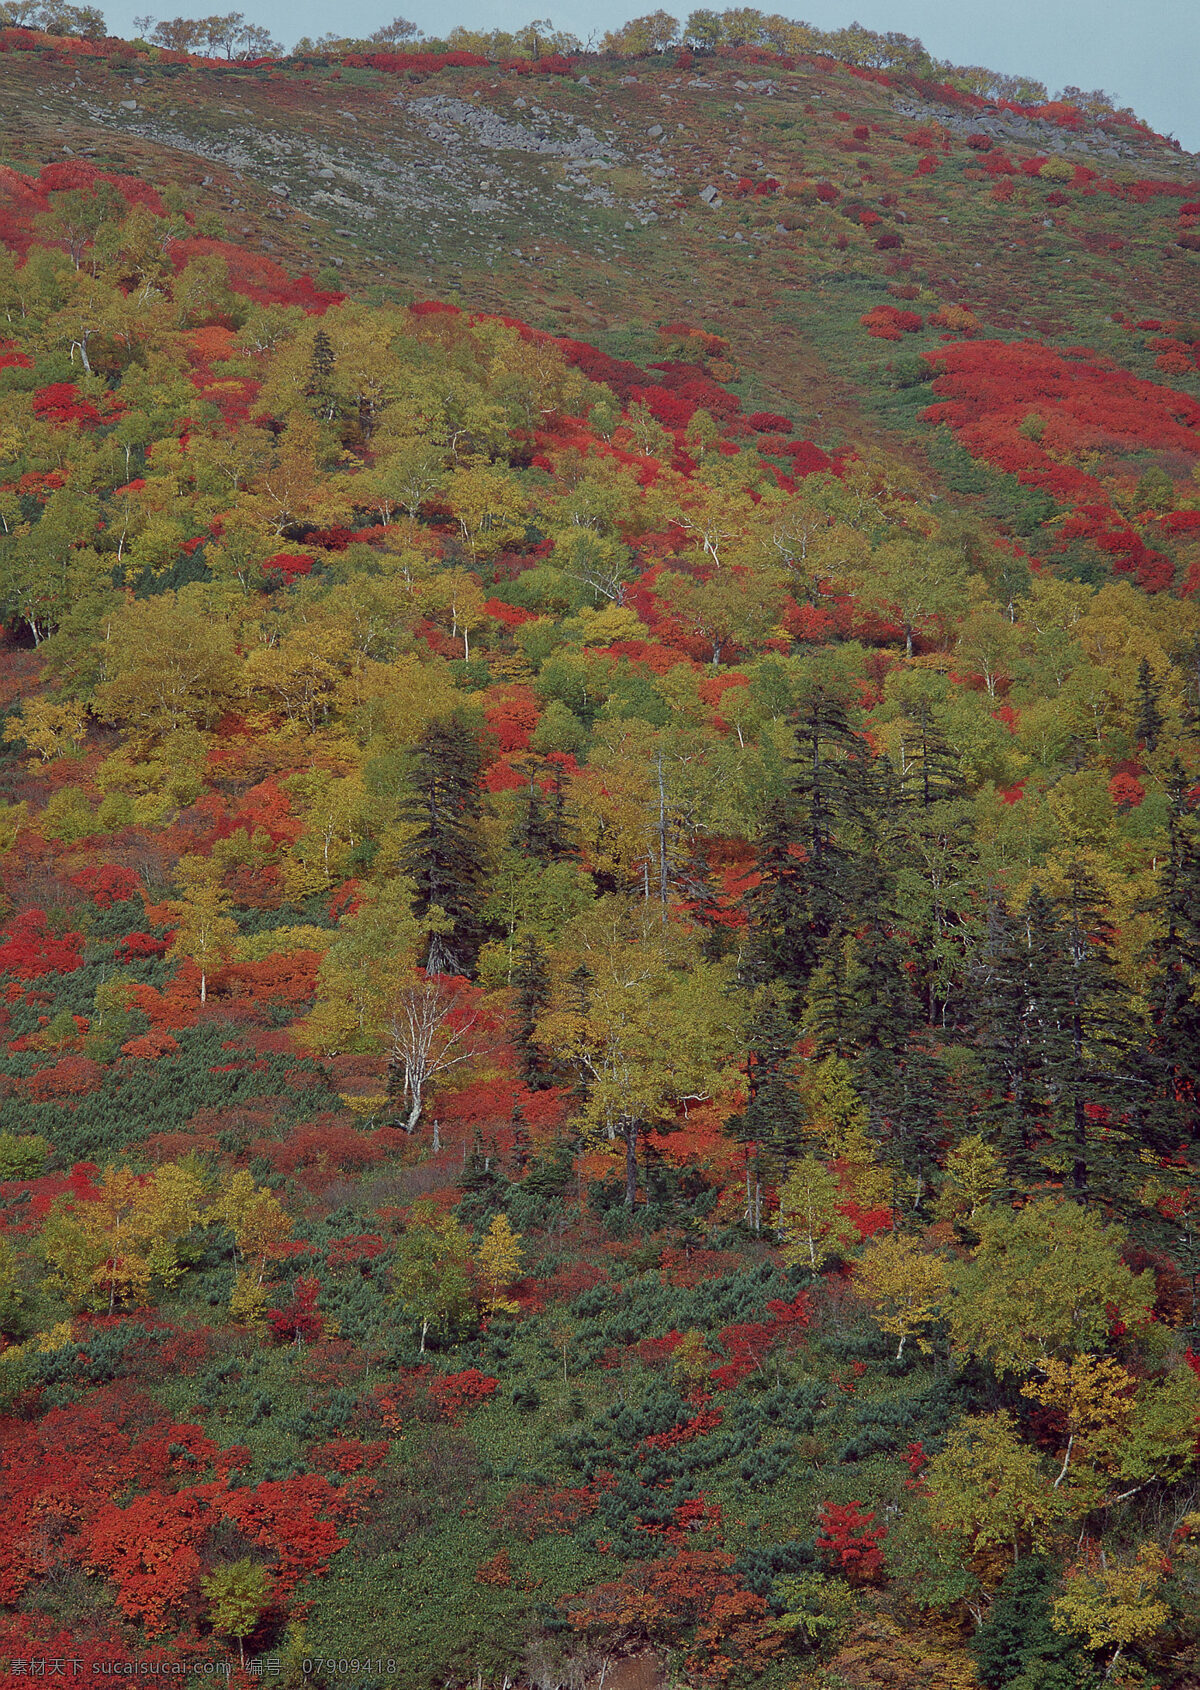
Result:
x=1083 y=1027
x=318 y=387
x=810 y=835
x=1175 y=978
x=932 y=769
x=1150 y=720
x=445 y=856
x=531 y=986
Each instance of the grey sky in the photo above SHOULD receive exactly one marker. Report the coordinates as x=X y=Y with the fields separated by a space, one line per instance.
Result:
x=1145 y=51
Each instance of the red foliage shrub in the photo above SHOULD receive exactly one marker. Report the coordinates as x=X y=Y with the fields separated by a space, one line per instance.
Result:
x=40 y=1195
x=284 y=1516
x=61 y=1469
x=693 y=1599
x=497 y=1570
x=808 y=459
x=533 y=1511
x=29 y=951
x=299 y=1321
x=288 y=564
x=330 y=1148
x=748 y=1343
x=916 y=1460
x=687 y=1267
x=63 y=404
x=1142 y=192
x=561 y=1286
x=358 y=1251
x=1126 y=791
x=148 y=1047
x=287 y=979
x=512 y=713
x=987 y=389
x=768 y=422
x=71 y=1077
x=454 y=1393
x=867 y=1222
x=253 y=274
x=698 y=1427
x=510 y=615
x=136 y=945
x=888 y=322
x=348 y=1455
x=657 y=1352
x=107 y=884
x=849 y=1540
x=264 y=808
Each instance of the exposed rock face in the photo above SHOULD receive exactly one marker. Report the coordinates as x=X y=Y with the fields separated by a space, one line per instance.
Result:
x=1028 y=131
x=486 y=128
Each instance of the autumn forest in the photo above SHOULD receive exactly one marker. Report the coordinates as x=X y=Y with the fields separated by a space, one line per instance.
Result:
x=599 y=869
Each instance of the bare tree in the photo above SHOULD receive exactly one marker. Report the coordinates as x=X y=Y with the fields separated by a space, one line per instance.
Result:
x=223 y=32
x=438 y=1024
x=258 y=43
x=392 y=34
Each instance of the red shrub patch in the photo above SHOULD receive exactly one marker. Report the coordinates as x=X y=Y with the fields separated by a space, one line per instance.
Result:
x=29 y=951
x=888 y=322
x=454 y=1393
x=851 y=1542
x=107 y=884
x=533 y=1511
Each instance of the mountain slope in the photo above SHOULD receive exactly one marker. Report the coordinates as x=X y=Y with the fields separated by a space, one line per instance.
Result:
x=600 y=855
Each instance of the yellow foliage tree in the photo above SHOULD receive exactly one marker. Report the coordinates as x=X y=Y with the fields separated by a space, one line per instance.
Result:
x=110 y=1249
x=356 y=983
x=489 y=505
x=48 y=728
x=498 y=1263
x=261 y=1228
x=988 y=1491
x=1113 y=1602
x=1041 y=1284
x=658 y=1030
x=809 y=1219
x=1095 y=1397
x=907 y=1285
x=205 y=932
x=972 y=1174
x=168 y=665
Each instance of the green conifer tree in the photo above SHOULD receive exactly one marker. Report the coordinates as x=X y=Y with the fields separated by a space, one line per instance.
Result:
x=445 y=855
x=1082 y=1025
x=1150 y=719
x=531 y=984
x=808 y=839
